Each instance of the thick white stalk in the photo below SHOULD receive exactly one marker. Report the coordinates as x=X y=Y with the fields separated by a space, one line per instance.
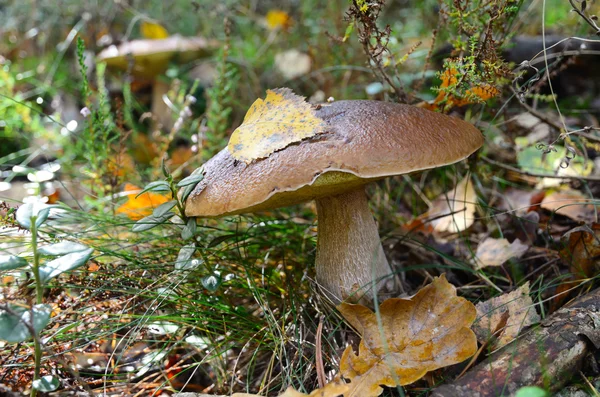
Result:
x=349 y=252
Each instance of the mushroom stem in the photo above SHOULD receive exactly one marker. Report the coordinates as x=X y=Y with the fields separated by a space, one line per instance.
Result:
x=349 y=252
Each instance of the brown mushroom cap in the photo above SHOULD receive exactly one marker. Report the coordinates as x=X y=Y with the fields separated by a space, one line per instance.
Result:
x=365 y=141
x=151 y=57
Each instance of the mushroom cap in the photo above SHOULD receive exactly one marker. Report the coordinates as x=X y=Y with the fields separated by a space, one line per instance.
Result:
x=151 y=57
x=364 y=141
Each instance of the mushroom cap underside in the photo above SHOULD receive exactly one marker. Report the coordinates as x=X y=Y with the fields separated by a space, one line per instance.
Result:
x=363 y=141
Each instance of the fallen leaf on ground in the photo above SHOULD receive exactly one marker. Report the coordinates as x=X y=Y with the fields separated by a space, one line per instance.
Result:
x=496 y=251
x=279 y=120
x=139 y=207
x=417 y=335
x=582 y=250
x=519 y=202
x=521 y=313
x=453 y=211
x=333 y=389
x=569 y=203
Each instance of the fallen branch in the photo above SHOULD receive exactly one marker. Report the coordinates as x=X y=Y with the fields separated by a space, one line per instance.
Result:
x=545 y=356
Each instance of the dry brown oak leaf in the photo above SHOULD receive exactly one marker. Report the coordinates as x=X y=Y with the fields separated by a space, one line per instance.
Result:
x=416 y=335
x=273 y=123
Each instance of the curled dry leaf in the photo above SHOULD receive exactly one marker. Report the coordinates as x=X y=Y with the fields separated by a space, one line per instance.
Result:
x=141 y=206
x=569 y=203
x=417 y=335
x=453 y=211
x=496 y=251
x=581 y=250
x=521 y=312
x=335 y=388
x=272 y=124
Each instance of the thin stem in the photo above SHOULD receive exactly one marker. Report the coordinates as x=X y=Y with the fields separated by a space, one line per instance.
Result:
x=36 y=262
x=38 y=362
x=38 y=298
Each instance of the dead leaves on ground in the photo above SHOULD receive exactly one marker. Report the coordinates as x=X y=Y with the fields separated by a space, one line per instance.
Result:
x=272 y=124
x=521 y=313
x=493 y=252
x=582 y=250
x=451 y=212
x=417 y=335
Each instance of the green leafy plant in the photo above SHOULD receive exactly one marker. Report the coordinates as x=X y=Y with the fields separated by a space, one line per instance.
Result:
x=176 y=208
x=220 y=101
x=23 y=321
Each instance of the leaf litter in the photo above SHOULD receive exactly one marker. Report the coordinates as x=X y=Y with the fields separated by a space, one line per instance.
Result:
x=426 y=332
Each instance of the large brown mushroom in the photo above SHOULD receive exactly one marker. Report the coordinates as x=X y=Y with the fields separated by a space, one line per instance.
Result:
x=364 y=141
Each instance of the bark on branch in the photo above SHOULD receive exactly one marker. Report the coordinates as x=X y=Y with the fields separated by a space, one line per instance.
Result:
x=546 y=356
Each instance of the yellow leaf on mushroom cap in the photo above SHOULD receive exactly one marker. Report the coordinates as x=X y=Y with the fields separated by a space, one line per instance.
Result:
x=272 y=124
x=417 y=335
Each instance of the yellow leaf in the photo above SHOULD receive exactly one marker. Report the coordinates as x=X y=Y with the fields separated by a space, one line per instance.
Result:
x=154 y=31
x=279 y=120
x=521 y=311
x=143 y=205
x=332 y=389
x=277 y=19
x=417 y=335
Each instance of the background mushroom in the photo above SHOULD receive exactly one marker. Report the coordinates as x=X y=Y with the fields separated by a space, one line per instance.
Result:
x=364 y=141
x=149 y=58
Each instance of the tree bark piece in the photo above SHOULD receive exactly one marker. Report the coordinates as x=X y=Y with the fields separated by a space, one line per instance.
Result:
x=546 y=356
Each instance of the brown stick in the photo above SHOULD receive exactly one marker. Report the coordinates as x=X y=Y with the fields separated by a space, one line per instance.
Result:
x=545 y=356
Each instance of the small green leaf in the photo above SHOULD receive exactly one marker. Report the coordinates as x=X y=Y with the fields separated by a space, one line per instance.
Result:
x=29 y=210
x=189 y=230
x=184 y=258
x=10 y=262
x=164 y=168
x=219 y=239
x=158 y=186
x=150 y=222
x=190 y=180
x=185 y=192
x=163 y=208
x=531 y=391
x=211 y=282
x=13 y=326
x=62 y=248
x=46 y=384
x=64 y=263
